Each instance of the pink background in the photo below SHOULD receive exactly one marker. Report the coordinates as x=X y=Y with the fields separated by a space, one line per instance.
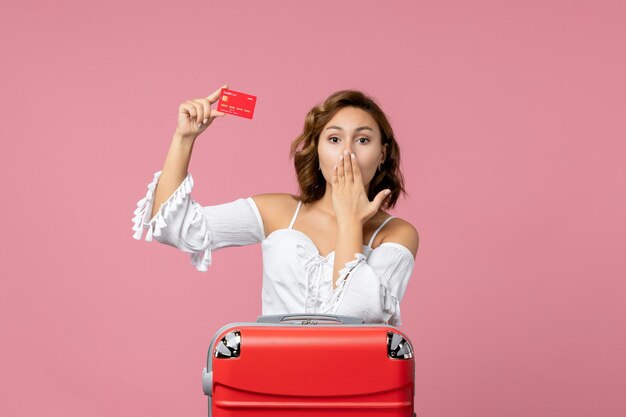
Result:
x=510 y=116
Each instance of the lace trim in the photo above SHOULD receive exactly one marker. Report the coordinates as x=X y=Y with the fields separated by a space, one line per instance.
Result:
x=142 y=221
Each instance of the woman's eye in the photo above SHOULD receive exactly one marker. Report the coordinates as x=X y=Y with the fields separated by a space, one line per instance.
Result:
x=335 y=137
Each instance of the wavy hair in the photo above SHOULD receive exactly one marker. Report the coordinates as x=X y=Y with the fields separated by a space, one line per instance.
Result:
x=311 y=181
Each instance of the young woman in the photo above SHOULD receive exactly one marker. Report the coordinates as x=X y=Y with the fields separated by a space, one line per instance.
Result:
x=331 y=248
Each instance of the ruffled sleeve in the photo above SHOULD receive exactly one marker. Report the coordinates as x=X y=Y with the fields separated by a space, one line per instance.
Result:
x=198 y=230
x=372 y=287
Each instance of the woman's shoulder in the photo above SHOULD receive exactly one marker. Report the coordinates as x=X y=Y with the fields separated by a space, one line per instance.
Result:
x=271 y=202
x=274 y=208
x=401 y=231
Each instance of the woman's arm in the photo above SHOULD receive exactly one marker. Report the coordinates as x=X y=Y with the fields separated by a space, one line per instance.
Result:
x=349 y=238
x=352 y=208
x=194 y=116
x=174 y=169
x=172 y=217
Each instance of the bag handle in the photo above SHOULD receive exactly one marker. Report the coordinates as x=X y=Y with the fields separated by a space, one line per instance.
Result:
x=279 y=318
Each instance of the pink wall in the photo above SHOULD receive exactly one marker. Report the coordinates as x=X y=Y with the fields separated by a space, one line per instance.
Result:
x=511 y=120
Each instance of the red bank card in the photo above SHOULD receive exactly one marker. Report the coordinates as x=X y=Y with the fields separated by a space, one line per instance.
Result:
x=236 y=102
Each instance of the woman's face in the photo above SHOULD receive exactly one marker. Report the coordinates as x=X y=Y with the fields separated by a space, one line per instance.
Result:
x=355 y=130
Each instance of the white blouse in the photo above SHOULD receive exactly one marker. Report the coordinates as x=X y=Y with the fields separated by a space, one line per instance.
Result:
x=296 y=278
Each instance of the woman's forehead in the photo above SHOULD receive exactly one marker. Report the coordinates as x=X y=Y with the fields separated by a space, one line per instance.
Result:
x=354 y=125
x=351 y=117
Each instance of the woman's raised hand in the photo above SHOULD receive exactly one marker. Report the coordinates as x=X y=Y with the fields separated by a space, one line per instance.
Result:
x=195 y=115
x=349 y=197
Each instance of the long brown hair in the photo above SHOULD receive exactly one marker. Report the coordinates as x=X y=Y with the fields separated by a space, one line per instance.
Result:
x=311 y=181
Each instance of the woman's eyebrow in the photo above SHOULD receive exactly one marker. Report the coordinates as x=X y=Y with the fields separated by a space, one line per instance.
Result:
x=356 y=130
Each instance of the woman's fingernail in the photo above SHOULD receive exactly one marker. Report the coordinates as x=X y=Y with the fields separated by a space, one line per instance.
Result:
x=353 y=156
x=205 y=120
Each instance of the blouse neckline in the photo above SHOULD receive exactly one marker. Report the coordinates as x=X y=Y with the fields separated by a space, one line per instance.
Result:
x=328 y=256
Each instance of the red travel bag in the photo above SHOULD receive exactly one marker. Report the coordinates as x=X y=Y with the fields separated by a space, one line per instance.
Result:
x=309 y=365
